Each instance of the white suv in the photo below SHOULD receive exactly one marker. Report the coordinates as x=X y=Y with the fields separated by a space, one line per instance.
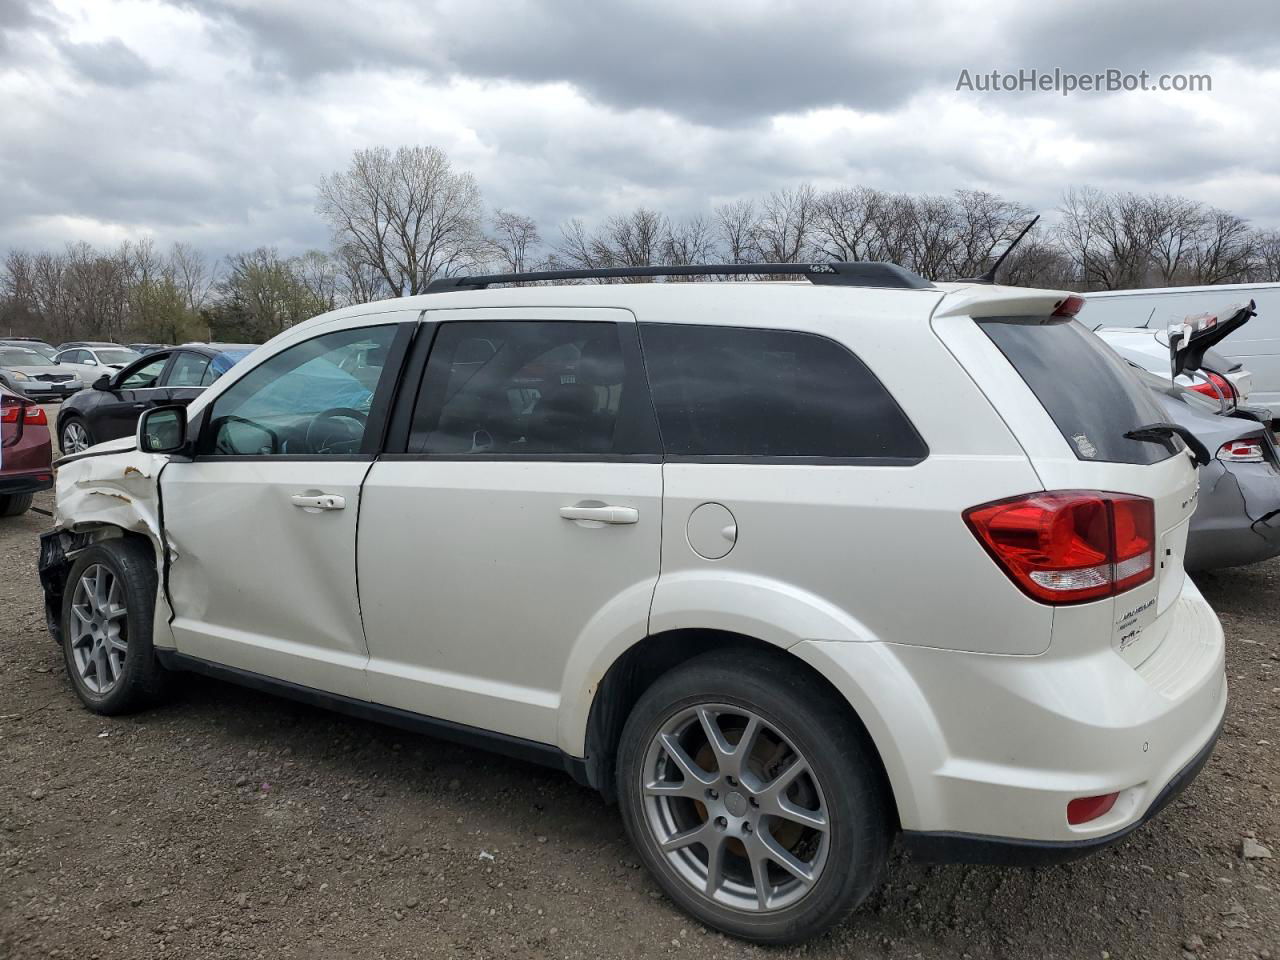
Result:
x=718 y=549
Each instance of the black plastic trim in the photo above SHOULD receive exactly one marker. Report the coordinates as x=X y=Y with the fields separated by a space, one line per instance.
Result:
x=943 y=847
x=10 y=486
x=530 y=750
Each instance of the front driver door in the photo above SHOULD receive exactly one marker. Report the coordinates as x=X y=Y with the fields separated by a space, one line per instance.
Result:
x=262 y=521
x=133 y=390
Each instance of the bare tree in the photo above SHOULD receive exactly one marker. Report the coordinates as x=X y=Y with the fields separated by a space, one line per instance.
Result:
x=513 y=240
x=192 y=273
x=785 y=230
x=737 y=226
x=407 y=214
x=1224 y=250
x=689 y=242
x=1266 y=257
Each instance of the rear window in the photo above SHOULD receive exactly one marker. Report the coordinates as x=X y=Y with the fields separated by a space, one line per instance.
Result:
x=734 y=392
x=1089 y=391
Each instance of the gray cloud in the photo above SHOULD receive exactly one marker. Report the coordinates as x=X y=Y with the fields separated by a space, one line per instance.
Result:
x=211 y=122
x=108 y=62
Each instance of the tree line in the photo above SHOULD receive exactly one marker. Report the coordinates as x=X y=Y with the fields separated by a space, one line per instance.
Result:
x=399 y=219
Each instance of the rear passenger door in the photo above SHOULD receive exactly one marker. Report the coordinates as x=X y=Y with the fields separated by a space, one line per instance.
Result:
x=518 y=510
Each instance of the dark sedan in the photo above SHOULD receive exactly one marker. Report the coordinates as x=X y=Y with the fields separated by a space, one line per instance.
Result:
x=110 y=408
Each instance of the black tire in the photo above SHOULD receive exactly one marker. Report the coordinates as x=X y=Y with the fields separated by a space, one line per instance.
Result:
x=142 y=681
x=838 y=752
x=88 y=434
x=15 y=503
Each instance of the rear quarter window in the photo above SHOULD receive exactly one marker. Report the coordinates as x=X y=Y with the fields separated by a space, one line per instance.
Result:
x=1092 y=395
x=735 y=392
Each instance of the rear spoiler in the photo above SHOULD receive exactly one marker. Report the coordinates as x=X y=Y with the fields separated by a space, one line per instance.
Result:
x=1189 y=342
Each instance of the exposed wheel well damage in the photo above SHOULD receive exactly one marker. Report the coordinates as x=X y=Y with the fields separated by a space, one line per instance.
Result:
x=642 y=664
x=58 y=551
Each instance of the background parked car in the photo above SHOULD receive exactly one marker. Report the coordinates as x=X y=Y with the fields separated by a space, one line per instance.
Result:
x=91 y=362
x=110 y=408
x=31 y=343
x=142 y=349
x=26 y=454
x=1237 y=520
x=1219 y=376
x=1258 y=348
x=26 y=372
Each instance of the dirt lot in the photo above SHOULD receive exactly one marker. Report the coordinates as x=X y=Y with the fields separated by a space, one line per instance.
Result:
x=229 y=824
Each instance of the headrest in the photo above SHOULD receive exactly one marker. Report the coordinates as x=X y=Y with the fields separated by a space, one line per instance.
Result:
x=600 y=364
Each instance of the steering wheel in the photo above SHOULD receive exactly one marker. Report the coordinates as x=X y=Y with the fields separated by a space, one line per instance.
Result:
x=336 y=430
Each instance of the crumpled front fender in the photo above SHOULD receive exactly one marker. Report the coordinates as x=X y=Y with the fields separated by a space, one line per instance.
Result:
x=98 y=496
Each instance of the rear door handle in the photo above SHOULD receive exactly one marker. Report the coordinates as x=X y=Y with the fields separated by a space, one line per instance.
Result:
x=324 y=501
x=601 y=514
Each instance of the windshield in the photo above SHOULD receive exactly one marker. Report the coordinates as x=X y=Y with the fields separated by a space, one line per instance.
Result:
x=117 y=356
x=21 y=357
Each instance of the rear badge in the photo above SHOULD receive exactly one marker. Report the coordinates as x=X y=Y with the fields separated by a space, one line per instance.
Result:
x=1085 y=446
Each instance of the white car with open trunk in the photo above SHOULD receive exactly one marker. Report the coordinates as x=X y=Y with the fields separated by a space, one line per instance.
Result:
x=717 y=549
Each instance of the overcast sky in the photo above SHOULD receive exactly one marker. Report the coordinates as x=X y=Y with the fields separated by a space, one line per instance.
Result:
x=211 y=121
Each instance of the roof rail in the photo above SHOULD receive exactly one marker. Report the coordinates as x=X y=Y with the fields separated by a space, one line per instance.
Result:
x=856 y=274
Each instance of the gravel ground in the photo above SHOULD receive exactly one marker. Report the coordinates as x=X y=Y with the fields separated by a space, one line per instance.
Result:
x=230 y=824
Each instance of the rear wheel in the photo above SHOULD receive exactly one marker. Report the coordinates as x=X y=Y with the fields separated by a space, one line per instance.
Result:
x=108 y=606
x=75 y=437
x=752 y=797
x=15 y=503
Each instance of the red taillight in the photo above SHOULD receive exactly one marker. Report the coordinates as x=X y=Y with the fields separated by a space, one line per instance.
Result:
x=1069 y=307
x=1244 y=450
x=1215 y=385
x=1069 y=546
x=1084 y=809
x=35 y=415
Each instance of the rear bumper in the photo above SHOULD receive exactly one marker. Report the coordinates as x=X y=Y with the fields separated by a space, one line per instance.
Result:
x=984 y=752
x=942 y=847
x=21 y=483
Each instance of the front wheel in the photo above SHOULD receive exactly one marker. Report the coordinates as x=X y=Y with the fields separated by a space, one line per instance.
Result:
x=108 y=606
x=752 y=797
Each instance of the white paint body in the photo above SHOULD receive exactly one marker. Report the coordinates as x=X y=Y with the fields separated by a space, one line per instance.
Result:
x=456 y=590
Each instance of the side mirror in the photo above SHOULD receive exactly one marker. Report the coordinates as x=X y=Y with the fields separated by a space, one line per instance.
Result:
x=162 y=430
x=90 y=362
x=103 y=382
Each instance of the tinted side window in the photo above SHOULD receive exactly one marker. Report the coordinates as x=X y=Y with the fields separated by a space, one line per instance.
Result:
x=188 y=370
x=303 y=400
x=513 y=388
x=740 y=392
x=146 y=375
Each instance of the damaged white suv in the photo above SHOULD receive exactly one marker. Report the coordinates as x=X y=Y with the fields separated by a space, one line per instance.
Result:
x=716 y=549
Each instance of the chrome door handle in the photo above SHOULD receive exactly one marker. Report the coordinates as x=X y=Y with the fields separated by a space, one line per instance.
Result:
x=601 y=514
x=325 y=501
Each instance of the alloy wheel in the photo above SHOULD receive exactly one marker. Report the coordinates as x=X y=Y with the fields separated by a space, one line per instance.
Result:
x=735 y=808
x=99 y=622
x=75 y=439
